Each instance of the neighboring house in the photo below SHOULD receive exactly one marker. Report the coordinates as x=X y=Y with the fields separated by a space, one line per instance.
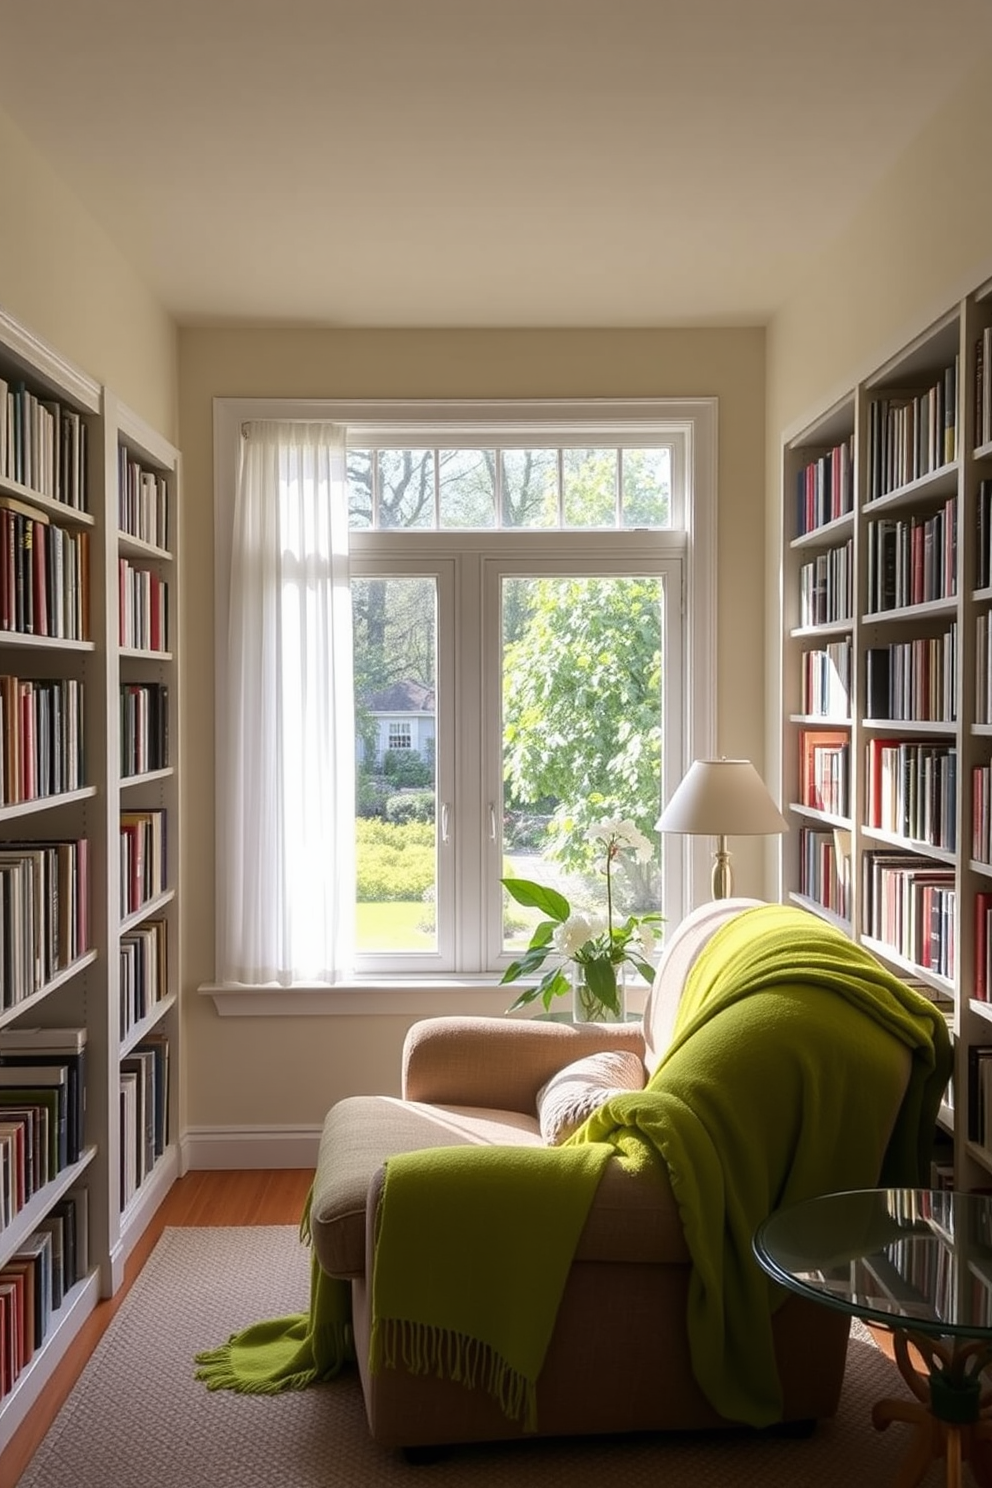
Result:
x=404 y=718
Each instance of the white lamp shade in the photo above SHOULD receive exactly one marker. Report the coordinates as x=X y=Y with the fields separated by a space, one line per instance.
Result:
x=722 y=798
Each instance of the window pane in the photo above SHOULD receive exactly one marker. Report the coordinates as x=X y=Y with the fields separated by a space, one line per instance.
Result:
x=395 y=629
x=589 y=480
x=582 y=728
x=406 y=488
x=467 y=488
x=647 y=488
x=359 y=488
x=530 y=488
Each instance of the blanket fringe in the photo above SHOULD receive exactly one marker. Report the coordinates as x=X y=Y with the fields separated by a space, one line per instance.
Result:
x=217 y=1371
x=421 y=1348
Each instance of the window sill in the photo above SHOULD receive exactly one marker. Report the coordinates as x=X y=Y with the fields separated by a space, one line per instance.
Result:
x=413 y=997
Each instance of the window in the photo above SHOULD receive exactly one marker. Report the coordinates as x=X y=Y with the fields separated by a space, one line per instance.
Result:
x=400 y=736
x=522 y=649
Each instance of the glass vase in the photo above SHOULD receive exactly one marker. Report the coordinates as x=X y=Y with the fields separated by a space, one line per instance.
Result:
x=586 y=1006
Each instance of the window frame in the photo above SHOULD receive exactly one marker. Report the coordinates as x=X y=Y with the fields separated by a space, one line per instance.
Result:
x=690 y=425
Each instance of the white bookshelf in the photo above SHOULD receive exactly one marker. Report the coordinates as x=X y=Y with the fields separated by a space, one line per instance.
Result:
x=927 y=735
x=85 y=989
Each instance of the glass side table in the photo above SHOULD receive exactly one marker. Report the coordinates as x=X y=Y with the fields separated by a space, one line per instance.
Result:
x=919 y=1262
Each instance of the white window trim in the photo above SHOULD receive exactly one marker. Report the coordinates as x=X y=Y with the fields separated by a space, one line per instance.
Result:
x=551 y=420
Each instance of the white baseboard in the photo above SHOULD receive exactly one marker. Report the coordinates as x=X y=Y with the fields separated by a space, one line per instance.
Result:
x=206 y=1147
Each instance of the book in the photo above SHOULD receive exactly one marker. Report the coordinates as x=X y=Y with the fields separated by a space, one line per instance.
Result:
x=32 y=1079
x=54 y=1225
x=65 y=1047
x=23 y=1274
x=80 y=1197
x=45 y=1099
x=36 y=1250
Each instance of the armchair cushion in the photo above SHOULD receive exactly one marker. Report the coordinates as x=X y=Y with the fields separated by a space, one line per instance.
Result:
x=581 y=1088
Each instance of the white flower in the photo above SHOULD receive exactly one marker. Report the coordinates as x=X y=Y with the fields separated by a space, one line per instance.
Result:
x=572 y=934
x=645 y=940
x=623 y=833
x=628 y=835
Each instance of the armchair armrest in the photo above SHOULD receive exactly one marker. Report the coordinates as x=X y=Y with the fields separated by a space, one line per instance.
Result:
x=499 y=1063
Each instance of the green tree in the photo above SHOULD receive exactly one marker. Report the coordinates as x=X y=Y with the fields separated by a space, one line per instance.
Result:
x=582 y=711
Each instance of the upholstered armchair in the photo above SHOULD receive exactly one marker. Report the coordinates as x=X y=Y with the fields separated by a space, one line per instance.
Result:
x=623 y=1314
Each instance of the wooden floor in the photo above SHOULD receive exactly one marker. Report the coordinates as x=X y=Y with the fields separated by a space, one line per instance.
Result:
x=235 y=1198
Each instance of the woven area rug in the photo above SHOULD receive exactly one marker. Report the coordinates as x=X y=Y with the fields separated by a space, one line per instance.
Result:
x=138 y=1419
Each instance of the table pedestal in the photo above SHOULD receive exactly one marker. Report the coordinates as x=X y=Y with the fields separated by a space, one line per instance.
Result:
x=952 y=1414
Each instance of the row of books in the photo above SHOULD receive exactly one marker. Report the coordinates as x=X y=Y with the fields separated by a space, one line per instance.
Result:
x=143 y=858
x=43 y=445
x=912 y=434
x=826 y=679
x=912 y=561
x=983 y=388
x=144 y=610
x=980 y=1095
x=144 y=1106
x=825 y=870
x=824 y=770
x=144 y=727
x=42 y=1110
x=983 y=544
x=912 y=790
x=981 y=813
x=913 y=680
x=44 y=898
x=982 y=990
x=44 y=574
x=908 y=905
x=35 y=1280
x=144 y=971
x=826 y=592
x=41 y=737
x=983 y=667
x=142 y=500
x=825 y=488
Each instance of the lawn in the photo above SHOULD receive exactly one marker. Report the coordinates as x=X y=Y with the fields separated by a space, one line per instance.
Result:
x=393 y=926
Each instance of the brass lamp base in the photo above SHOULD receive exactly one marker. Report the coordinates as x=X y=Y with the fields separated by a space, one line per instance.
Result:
x=722 y=879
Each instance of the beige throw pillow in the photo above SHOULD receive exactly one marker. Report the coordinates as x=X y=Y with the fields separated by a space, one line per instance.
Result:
x=581 y=1088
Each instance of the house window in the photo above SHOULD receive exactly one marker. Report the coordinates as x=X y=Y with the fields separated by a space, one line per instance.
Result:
x=523 y=592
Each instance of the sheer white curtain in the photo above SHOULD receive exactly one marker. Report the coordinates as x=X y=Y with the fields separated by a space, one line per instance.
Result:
x=287 y=907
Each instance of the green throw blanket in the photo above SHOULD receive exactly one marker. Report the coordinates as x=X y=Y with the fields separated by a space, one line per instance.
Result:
x=472 y=1253
x=769 y=1094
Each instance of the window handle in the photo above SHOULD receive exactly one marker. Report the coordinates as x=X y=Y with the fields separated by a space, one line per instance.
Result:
x=444 y=821
x=492 y=822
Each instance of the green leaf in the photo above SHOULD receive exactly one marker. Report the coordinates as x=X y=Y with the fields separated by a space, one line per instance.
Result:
x=601 y=979
x=555 y=984
x=644 y=967
x=536 y=896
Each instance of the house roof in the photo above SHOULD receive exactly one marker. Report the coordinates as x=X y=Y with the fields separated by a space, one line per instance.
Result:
x=403 y=697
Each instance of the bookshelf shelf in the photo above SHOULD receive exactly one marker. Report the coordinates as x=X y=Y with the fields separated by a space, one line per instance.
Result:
x=918 y=435
x=77 y=467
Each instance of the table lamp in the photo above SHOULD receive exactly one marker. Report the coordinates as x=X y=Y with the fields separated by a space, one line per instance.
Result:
x=722 y=798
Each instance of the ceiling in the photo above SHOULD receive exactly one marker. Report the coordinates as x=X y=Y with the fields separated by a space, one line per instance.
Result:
x=454 y=163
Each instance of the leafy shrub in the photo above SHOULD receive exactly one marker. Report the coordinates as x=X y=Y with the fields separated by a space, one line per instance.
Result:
x=410 y=806
x=405 y=767
x=372 y=794
x=394 y=862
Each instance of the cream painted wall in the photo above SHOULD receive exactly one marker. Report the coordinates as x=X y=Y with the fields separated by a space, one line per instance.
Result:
x=286 y=1072
x=63 y=279
x=920 y=243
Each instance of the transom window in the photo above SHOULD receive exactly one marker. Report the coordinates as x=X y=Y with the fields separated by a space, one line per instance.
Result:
x=568 y=488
